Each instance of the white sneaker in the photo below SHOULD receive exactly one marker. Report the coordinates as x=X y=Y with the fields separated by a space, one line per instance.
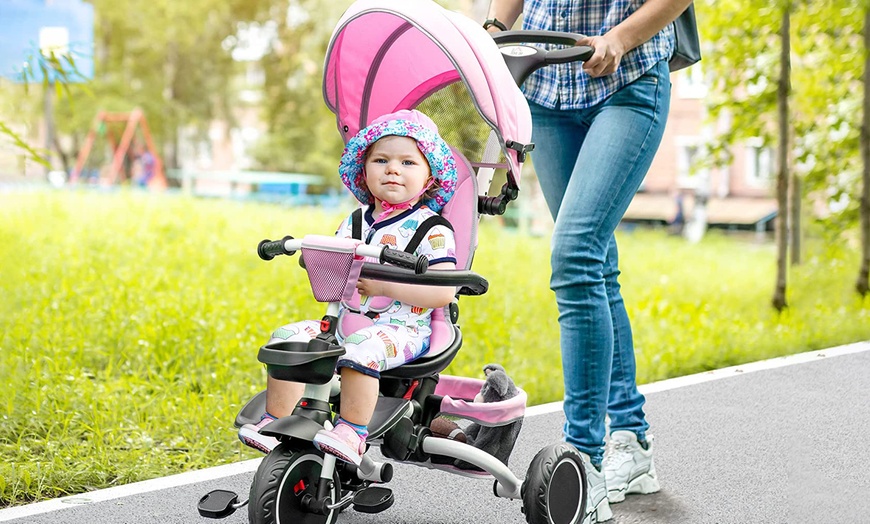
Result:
x=597 y=506
x=628 y=467
x=250 y=435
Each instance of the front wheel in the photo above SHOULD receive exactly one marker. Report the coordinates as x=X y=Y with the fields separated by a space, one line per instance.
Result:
x=284 y=477
x=554 y=491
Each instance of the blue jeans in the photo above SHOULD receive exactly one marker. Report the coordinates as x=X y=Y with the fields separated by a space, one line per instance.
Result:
x=590 y=163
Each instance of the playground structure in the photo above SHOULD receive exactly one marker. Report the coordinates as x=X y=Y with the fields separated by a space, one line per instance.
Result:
x=122 y=145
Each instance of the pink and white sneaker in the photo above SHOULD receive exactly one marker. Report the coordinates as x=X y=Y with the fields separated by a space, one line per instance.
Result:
x=343 y=442
x=250 y=435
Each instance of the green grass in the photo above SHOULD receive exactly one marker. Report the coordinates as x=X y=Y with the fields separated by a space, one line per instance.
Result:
x=129 y=324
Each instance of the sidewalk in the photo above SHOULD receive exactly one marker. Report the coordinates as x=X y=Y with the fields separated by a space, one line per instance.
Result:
x=775 y=442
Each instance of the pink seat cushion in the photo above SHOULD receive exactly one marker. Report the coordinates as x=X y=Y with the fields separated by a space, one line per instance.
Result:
x=442 y=333
x=461 y=211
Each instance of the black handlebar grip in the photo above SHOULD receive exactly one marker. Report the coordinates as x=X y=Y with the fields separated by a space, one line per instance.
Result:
x=269 y=249
x=569 y=54
x=536 y=37
x=407 y=260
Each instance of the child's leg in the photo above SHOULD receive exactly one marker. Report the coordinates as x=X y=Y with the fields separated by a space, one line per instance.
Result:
x=359 y=395
x=282 y=395
x=368 y=352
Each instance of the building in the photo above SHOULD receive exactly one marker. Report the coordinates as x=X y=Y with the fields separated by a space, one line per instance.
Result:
x=738 y=196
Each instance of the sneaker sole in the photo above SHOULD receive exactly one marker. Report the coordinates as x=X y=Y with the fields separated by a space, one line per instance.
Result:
x=601 y=513
x=251 y=443
x=258 y=441
x=642 y=485
x=354 y=459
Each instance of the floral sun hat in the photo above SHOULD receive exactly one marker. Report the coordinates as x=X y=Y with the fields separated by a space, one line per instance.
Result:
x=410 y=123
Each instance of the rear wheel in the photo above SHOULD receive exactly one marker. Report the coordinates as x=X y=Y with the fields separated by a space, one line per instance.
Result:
x=554 y=491
x=284 y=477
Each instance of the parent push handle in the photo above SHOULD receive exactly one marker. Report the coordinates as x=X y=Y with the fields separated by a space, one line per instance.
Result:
x=522 y=60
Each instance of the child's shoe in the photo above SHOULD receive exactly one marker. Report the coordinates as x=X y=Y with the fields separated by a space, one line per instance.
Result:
x=342 y=441
x=250 y=435
x=629 y=466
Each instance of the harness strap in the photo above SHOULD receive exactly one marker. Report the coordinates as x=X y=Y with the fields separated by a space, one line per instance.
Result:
x=423 y=230
x=419 y=234
x=356 y=224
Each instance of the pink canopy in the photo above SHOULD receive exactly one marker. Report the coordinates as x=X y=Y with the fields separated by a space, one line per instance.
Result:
x=386 y=55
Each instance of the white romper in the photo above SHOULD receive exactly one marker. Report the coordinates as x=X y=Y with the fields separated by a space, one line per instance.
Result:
x=381 y=333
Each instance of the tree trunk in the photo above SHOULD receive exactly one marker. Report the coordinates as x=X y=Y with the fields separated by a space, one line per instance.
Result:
x=169 y=145
x=862 y=285
x=795 y=226
x=48 y=108
x=64 y=157
x=779 y=301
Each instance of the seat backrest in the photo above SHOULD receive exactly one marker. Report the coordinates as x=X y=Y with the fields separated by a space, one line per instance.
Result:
x=461 y=211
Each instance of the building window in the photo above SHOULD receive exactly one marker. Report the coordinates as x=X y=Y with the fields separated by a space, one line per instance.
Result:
x=689 y=152
x=690 y=82
x=759 y=163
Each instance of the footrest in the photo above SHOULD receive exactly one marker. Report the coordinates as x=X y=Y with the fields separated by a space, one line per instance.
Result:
x=218 y=504
x=373 y=499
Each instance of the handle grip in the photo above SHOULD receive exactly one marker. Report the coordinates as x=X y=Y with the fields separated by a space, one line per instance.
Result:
x=536 y=37
x=569 y=54
x=523 y=59
x=407 y=260
x=269 y=249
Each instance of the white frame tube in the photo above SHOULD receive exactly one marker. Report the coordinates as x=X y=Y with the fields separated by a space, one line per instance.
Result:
x=508 y=483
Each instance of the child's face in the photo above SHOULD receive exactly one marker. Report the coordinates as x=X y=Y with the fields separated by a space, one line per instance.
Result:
x=396 y=170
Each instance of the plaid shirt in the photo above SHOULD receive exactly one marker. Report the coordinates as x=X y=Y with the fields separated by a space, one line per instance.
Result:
x=567 y=86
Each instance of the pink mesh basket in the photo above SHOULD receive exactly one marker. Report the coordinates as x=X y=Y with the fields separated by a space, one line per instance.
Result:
x=333 y=267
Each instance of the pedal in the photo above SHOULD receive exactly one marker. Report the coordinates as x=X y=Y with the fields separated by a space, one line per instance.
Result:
x=218 y=504
x=373 y=499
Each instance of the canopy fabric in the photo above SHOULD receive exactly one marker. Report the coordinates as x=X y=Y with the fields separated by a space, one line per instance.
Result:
x=386 y=55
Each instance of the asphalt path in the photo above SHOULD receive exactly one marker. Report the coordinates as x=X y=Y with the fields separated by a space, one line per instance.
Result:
x=774 y=442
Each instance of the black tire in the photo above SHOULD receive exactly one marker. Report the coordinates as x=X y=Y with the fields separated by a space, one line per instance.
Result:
x=283 y=477
x=554 y=491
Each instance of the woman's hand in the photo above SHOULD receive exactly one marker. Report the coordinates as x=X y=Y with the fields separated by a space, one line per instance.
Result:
x=609 y=51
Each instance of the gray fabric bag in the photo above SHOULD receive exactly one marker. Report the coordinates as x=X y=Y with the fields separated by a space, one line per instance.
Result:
x=687 y=49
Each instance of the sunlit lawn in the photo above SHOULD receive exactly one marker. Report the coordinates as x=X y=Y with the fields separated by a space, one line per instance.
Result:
x=129 y=324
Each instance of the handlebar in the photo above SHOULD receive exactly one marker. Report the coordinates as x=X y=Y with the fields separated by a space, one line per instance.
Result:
x=466 y=282
x=269 y=249
x=523 y=60
x=401 y=265
x=407 y=260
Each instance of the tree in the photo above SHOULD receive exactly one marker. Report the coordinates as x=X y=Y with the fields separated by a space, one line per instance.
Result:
x=57 y=72
x=301 y=132
x=828 y=84
x=750 y=72
x=825 y=105
x=173 y=59
x=782 y=177
x=862 y=285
